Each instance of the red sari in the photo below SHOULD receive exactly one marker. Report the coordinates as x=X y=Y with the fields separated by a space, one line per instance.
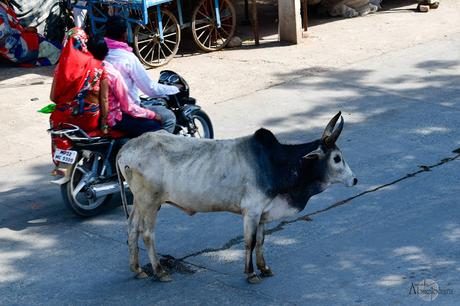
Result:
x=77 y=84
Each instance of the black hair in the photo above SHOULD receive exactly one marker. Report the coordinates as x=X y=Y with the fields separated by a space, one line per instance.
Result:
x=115 y=27
x=98 y=47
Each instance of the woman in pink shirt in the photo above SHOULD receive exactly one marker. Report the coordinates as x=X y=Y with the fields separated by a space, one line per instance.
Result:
x=123 y=114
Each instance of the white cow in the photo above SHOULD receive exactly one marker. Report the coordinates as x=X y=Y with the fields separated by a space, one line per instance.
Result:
x=254 y=176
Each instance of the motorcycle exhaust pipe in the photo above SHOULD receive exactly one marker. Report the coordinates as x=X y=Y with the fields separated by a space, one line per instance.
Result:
x=101 y=190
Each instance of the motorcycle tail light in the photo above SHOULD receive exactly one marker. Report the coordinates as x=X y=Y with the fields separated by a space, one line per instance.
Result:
x=60 y=143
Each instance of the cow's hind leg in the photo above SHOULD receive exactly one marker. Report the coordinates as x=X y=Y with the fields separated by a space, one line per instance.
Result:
x=250 y=231
x=134 y=227
x=265 y=271
x=150 y=218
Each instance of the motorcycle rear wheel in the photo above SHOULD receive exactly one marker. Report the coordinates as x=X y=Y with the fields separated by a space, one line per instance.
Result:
x=73 y=192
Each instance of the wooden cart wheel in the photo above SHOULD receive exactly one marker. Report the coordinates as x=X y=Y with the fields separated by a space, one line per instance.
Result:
x=148 y=46
x=206 y=33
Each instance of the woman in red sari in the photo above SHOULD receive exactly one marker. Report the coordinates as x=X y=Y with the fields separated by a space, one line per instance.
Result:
x=80 y=89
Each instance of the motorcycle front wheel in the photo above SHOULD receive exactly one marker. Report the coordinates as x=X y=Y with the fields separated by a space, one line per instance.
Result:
x=201 y=126
x=75 y=191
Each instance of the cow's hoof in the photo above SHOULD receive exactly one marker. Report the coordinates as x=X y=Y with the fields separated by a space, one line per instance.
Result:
x=141 y=275
x=266 y=272
x=254 y=279
x=164 y=277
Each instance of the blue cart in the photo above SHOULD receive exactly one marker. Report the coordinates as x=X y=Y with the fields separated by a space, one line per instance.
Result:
x=155 y=31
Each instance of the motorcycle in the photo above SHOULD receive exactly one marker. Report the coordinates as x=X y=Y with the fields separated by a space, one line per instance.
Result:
x=85 y=161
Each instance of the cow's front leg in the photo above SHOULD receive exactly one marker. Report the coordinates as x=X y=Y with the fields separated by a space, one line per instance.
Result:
x=265 y=271
x=134 y=227
x=250 y=231
x=150 y=218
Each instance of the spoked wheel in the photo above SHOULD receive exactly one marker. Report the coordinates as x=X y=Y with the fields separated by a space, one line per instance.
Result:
x=201 y=126
x=77 y=194
x=148 y=45
x=206 y=32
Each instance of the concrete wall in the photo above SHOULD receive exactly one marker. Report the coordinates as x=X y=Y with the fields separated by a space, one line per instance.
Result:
x=290 y=23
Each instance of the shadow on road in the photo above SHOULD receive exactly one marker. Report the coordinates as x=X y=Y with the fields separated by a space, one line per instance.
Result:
x=418 y=127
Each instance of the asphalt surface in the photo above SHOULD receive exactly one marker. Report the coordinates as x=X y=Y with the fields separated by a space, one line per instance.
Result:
x=366 y=245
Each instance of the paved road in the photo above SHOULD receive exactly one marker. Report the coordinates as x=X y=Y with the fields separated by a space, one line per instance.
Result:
x=364 y=246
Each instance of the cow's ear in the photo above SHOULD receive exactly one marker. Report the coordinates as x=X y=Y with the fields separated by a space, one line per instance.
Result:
x=315 y=154
x=266 y=138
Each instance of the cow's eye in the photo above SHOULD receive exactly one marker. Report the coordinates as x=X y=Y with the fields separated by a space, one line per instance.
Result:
x=337 y=159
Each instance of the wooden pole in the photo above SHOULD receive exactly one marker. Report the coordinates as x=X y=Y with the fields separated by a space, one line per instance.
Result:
x=246 y=11
x=255 y=22
x=305 y=15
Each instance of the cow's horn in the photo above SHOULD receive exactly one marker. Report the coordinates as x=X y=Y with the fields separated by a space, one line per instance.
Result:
x=330 y=141
x=330 y=126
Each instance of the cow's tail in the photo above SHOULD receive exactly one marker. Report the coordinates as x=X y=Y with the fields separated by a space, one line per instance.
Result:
x=121 y=181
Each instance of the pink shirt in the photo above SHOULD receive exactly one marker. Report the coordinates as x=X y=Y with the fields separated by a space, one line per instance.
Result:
x=119 y=99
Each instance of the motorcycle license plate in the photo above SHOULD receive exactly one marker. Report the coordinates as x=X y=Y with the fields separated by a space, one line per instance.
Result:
x=65 y=156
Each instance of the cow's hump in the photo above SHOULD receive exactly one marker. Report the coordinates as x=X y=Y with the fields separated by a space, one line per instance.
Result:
x=266 y=138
